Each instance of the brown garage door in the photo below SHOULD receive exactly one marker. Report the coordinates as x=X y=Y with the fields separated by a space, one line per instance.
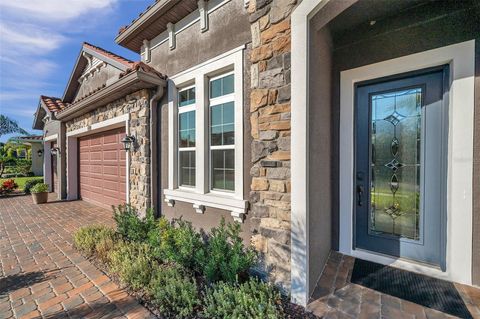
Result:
x=102 y=168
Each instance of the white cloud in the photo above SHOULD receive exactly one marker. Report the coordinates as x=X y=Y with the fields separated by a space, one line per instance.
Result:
x=20 y=38
x=54 y=10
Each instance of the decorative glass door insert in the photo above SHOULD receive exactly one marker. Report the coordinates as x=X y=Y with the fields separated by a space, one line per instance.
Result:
x=395 y=163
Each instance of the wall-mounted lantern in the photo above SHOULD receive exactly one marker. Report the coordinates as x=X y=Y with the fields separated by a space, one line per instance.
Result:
x=127 y=142
x=55 y=151
x=40 y=153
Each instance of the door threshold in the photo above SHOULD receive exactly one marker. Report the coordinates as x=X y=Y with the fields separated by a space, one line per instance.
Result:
x=401 y=263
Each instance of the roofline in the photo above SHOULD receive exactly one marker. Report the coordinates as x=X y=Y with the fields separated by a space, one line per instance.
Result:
x=104 y=95
x=94 y=53
x=154 y=9
x=43 y=106
x=71 y=74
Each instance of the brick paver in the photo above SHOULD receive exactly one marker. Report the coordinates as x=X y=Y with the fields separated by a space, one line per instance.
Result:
x=43 y=276
x=336 y=297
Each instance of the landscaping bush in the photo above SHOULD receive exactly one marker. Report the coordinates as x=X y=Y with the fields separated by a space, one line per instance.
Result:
x=8 y=186
x=30 y=183
x=174 y=291
x=252 y=299
x=96 y=240
x=176 y=242
x=224 y=257
x=132 y=262
x=130 y=225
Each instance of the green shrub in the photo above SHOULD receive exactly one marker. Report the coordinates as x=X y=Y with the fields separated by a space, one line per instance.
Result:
x=174 y=291
x=252 y=299
x=30 y=183
x=39 y=188
x=176 y=241
x=132 y=262
x=130 y=225
x=224 y=257
x=95 y=239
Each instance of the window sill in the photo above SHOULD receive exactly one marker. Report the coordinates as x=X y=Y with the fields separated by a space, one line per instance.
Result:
x=237 y=207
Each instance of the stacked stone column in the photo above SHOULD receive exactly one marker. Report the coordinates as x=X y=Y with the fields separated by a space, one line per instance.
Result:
x=270 y=122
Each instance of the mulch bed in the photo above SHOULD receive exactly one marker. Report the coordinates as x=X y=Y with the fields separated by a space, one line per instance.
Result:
x=292 y=311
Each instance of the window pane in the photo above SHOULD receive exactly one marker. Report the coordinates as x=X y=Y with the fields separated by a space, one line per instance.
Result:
x=187 y=129
x=186 y=97
x=228 y=113
x=216 y=88
x=222 y=128
x=216 y=115
x=222 y=86
x=228 y=84
x=223 y=172
x=187 y=168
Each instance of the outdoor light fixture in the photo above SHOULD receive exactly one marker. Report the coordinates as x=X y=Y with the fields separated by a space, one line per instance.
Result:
x=127 y=142
x=55 y=151
x=40 y=153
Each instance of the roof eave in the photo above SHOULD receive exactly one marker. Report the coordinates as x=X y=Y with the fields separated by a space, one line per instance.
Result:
x=128 y=84
x=124 y=37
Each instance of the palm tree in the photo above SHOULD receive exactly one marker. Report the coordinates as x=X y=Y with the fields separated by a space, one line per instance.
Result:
x=8 y=126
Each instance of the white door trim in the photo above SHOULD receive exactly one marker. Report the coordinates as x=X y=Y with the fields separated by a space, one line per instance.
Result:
x=299 y=254
x=461 y=58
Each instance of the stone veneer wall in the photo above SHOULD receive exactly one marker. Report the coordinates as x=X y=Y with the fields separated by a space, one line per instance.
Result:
x=138 y=105
x=270 y=121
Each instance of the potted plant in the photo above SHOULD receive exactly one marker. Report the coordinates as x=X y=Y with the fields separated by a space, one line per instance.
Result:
x=40 y=193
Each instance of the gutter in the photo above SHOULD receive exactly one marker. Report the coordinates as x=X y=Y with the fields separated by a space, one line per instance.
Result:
x=154 y=169
x=122 y=87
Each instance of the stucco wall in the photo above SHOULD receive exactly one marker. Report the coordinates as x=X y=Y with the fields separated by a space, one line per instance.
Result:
x=138 y=106
x=194 y=47
x=96 y=80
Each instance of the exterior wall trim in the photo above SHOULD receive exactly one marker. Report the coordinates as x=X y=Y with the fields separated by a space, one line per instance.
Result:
x=202 y=195
x=301 y=17
x=51 y=138
x=185 y=23
x=72 y=155
x=460 y=155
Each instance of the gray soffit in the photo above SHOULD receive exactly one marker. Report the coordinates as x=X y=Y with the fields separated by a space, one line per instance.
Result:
x=129 y=83
x=154 y=21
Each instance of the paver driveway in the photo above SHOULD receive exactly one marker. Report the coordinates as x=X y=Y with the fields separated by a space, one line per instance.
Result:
x=42 y=275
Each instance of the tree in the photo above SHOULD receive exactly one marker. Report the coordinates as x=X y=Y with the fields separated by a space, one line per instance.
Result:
x=8 y=126
x=5 y=158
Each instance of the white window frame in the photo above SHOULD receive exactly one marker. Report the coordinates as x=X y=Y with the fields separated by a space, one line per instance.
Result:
x=201 y=195
x=215 y=102
x=181 y=110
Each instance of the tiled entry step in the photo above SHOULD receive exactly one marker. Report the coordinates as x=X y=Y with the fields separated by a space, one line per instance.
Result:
x=335 y=296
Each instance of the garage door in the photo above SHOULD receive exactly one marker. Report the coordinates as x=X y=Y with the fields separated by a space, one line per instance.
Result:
x=102 y=168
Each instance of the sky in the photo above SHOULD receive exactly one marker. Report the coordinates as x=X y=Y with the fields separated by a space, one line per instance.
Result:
x=40 y=41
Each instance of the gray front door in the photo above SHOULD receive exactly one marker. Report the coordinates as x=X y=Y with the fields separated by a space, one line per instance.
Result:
x=400 y=166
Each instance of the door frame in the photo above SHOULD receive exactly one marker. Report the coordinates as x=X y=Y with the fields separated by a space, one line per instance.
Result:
x=460 y=58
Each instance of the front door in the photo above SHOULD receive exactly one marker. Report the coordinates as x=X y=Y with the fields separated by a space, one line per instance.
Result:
x=401 y=166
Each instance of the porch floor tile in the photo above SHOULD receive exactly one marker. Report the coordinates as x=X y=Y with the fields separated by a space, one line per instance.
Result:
x=336 y=297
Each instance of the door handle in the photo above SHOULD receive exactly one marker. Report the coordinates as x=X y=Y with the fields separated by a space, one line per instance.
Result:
x=360 y=191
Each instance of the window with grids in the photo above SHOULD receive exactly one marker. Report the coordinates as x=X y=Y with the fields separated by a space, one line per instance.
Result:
x=186 y=137
x=222 y=132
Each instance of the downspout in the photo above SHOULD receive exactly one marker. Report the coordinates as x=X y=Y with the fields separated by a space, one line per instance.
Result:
x=154 y=162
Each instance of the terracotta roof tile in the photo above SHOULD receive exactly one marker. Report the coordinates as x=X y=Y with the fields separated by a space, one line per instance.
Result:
x=33 y=137
x=124 y=28
x=144 y=67
x=54 y=104
x=108 y=54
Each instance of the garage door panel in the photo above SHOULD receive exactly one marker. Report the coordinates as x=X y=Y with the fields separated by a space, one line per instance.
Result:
x=102 y=168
